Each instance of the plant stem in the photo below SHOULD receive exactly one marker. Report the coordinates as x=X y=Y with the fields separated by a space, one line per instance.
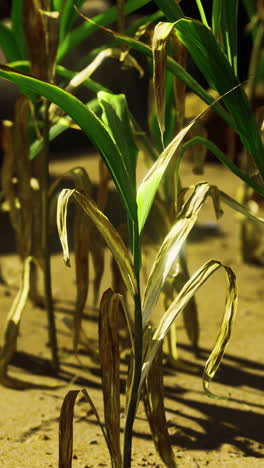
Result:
x=133 y=399
x=45 y=239
x=137 y=361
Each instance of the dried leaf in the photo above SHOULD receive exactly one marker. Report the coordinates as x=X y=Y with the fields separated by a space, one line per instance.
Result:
x=159 y=49
x=23 y=174
x=14 y=317
x=172 y=244
x=35 y=28
x=153 y=396
x=66 y=429
x=224 y=334
x=110 y=362
x=188 y=291
x=97 y=252
x=42 y=32
x=82 y=242
x=62 y=211
x=8 y=173
x=12 y=330
x=110 y=235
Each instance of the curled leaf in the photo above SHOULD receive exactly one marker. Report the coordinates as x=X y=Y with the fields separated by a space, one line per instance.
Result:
x=177 y=306
x=109 y=233
x=172 y=244
x=225 y=332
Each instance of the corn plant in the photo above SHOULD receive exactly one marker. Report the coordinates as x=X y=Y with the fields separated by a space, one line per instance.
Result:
x=111 y=134
x=146 y=342
x=39 y=37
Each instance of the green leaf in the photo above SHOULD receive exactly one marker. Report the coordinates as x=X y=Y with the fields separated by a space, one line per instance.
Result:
x=9 y=44
x=149 y=185
x=91 y=126
x=171 y=9
x=116 y=118
x=68 y=15
x=215 y=67
x=74 y=38
x=57 y=4
x=229 y=12
x=17 y=26
x=224 y=160
x=216 y=16
x=202 y=12
x=109 y=233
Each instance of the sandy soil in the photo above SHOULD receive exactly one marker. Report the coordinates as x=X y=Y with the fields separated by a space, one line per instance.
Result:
x=204 y=432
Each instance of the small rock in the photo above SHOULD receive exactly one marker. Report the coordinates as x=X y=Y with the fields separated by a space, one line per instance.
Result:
x=93 y=442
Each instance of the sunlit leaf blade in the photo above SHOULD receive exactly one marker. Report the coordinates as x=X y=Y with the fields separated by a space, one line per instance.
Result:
x=171 y=9
x=110 y=362
x=14 y=317
x=229 y=12
x=75 y=37
x=83 y=77
x=159 y=47
x=149 y=185
x=89 y=123
x=116 y=118
x=66 y=429
x=109 y=233
x=153 y=397
x=9 y=44
x=171 y=246
x=11 y=333
x=224 y=334
x=214 y=65
x=62 y=211
x=188 y=291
